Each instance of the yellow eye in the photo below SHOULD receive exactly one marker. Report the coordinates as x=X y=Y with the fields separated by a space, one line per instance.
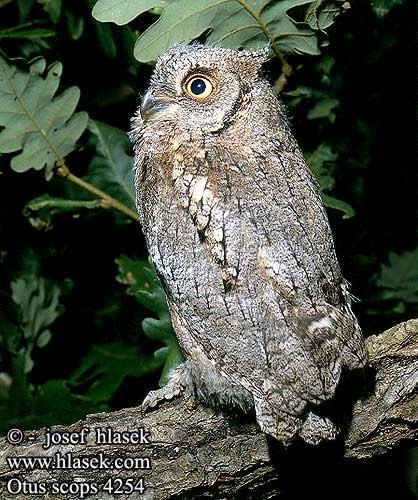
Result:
x=199 y=87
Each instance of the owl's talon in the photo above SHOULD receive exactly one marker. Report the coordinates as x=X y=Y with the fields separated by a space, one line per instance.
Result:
x=154 y=398
x=175 y=388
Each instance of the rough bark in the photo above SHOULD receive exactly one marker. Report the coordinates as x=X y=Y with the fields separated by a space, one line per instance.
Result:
x=197 y=452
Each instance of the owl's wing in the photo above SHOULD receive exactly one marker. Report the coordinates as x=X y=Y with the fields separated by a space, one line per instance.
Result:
x=300 y=257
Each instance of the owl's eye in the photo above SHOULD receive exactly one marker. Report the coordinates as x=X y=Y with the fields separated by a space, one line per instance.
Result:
x=199 y=87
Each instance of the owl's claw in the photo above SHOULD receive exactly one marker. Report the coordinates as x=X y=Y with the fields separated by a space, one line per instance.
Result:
x=154 y=398
x=177 y=385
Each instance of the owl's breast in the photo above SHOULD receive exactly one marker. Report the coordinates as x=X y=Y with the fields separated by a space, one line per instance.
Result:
x=240 y=219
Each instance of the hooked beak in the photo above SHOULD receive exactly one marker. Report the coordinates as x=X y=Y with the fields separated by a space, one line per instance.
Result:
x=150 y=105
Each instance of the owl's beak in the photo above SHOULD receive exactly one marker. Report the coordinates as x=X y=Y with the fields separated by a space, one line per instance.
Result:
x=150 y=105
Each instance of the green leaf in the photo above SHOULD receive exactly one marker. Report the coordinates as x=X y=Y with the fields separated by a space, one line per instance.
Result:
x=27 y=30
x=52 y=8
x=300 y=91
x=399 y=279
x=106 y=40
x=25 y=6
x=105 y=37
x=322 y=13
x=324 y=109
x=75 y=25
x=383 y=7
x=44 y=338
x=38 y=303
x=111 y=168
x=106 y=366
x=173 y=358
x=123 y=11
x=143 y=284
x=44 y=128
x=27 y=353
x=335 y=203
x=41 y=211
x=248 y=24
x=319 y=162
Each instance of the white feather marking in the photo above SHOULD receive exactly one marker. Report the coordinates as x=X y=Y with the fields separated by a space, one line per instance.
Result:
x=198 y=188
x=218 y=234
x=321 y=323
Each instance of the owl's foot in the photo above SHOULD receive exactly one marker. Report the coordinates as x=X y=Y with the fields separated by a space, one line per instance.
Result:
x=316 y=429
x=178 y=384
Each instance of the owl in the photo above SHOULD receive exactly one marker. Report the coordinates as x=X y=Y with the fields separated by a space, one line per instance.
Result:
x=235 y=226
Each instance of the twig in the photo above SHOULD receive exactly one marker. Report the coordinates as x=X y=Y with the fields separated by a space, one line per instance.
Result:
x=107 y=200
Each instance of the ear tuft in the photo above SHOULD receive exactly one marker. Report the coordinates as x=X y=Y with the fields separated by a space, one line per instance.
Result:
x=256 y=58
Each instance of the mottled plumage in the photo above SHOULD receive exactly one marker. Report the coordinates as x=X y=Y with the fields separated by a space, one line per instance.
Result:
x=235 y=226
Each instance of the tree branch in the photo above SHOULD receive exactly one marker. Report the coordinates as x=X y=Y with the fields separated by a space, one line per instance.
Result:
x=106 y=200
x=196 y=452
x=390 y=414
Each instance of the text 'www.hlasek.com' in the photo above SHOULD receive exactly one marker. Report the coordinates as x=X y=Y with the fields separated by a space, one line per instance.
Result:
x=50 y=455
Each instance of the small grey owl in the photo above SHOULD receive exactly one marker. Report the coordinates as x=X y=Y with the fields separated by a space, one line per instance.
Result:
x=235 y=226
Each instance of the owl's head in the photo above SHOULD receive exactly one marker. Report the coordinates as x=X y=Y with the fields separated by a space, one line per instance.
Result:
x=200 y=87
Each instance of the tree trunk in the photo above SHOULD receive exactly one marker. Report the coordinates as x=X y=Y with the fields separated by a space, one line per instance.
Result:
x=196 y=452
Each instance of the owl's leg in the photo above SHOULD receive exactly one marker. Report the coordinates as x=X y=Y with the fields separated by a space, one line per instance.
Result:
x=316 y=429
x=178 y=383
